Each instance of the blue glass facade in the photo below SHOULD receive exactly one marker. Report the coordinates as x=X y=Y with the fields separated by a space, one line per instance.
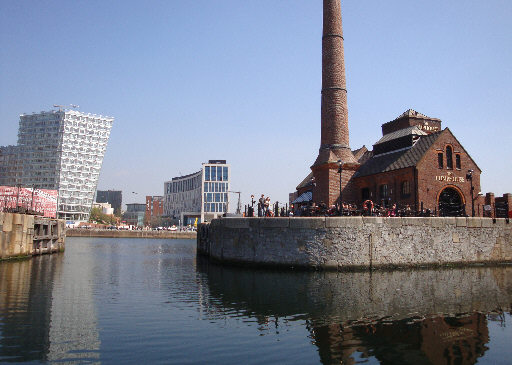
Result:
x=215 y=189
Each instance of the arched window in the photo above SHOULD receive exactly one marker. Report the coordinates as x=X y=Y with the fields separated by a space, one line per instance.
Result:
x=449 y=157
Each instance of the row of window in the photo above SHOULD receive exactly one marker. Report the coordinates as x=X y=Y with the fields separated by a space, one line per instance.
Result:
x=449 y=159
x=184 y=185
x=216 y=173
x=215 y=207
x=215 y=187
x=216 y=197
x=385 y=192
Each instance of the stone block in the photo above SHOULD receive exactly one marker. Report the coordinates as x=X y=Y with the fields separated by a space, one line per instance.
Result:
x=236 y=222
x=373 y=220
x=437 y=222
x=274 y=222
x=474 y=222
x=450 y=221
x=415 y=221
x=500 y=222
x=337 y=222
x=487 y=223
x=7 y=226
x=461 y=221
x=308 y=223
x=455 y=238
x=17 y=219
x=393 y=221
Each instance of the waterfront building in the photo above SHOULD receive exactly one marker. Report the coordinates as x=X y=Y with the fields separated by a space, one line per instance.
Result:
x=154 y=210
x=416 y=164
x=202 y=195
x=61 y=150
x=134 y=214
x=113 y=197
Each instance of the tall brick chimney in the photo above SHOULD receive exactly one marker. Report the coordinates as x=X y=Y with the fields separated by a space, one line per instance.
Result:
x=334 y=145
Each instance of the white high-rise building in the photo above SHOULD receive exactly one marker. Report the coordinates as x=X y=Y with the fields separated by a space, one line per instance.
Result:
x=63 y=150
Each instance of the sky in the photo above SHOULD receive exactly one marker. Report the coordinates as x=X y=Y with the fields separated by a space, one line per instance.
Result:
x=240 y=80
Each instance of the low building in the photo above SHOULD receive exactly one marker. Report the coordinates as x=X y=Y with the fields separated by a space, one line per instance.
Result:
x=106 y=208
x=113 y=197
x=201 y=196
x=134 y=214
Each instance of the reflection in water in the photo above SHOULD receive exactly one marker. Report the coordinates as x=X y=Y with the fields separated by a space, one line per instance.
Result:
x=73 y=330
x=26 y=285
x=399 y=317
x=151 y=301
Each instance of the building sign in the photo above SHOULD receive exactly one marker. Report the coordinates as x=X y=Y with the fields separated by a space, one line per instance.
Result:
x=42 y=201
x=450 y=178
x=428 y=128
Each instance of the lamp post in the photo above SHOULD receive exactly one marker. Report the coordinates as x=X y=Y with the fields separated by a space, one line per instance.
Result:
x=32 y=201
x=469 y=176
x=339 y=172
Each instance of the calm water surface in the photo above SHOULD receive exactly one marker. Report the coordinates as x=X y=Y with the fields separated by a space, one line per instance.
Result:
x=121 y=301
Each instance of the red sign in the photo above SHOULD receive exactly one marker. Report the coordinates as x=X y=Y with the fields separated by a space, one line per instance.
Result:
x=42 y=201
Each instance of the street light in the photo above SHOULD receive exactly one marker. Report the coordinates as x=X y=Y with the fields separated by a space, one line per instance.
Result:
x=469 y=176
x=339 y=172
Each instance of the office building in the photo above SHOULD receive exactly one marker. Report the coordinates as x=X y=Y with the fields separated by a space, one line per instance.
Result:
x=202 y=195
x=134 y=214
x=113 y=197
x=61 y=150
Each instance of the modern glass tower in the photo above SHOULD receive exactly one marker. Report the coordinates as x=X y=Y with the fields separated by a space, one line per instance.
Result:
x=63 y=150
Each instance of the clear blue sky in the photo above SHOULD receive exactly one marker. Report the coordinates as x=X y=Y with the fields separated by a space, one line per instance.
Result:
x=240 y=80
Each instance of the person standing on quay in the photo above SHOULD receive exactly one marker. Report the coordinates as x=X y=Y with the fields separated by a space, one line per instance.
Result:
x=261 y=205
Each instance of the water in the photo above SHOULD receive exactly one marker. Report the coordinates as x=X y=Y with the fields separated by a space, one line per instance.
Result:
x=122 y=301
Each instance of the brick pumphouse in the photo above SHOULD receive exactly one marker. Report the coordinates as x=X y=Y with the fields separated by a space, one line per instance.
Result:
x=416 y=164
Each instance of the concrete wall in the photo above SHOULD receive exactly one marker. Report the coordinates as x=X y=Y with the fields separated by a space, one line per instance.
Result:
x=25 y=235
x=356 y=242
x=16 y=235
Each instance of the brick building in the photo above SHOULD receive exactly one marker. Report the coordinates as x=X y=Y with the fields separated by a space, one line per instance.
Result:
x=154 y=209
x=415 y=164
x=418 y=164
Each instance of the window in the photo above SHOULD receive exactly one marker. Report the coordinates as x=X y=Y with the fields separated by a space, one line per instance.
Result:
x=365 y=193
x=214 y=173
x=225 y=173
x=219 y=173
x=457 y=162
x=207 y=173
x=449 y=157
x=384 y=191
x=205 y=187
x=406 y=188
x=440 y=159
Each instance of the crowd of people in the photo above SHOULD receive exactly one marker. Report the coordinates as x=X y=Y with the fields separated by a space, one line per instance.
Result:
x=264 y=208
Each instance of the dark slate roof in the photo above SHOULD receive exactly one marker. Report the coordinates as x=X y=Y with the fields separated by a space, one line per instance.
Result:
x=305 y=182
x=399 y=159
x=414 y=130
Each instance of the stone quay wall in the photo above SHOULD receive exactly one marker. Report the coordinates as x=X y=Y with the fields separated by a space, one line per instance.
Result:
x=345 y=243
x=107 y=233
x=23 y=235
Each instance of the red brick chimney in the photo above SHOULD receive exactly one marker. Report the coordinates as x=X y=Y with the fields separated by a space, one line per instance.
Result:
x=334 y=145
